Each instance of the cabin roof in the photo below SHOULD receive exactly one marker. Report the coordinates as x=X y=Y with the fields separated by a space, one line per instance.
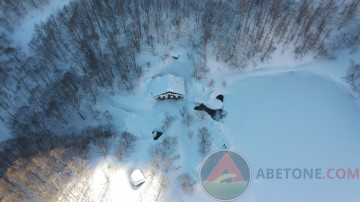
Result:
x=167 y=83
x=137 y=177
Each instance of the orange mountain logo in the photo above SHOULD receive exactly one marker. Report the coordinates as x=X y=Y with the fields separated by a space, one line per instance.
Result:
x=225 y=175
x=226 y=163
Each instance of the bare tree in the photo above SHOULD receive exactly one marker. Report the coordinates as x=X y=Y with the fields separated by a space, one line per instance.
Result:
x=204 y=137
x=71 y=91
x=53 y=107
x=164 y=154
x=186 y=182
x=168 y=121
x=187 y=118
x=125 y=145
x=103 y=146
x=353 y=77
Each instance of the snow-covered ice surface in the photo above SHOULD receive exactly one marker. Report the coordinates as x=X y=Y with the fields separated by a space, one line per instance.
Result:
x=295 y=120
x=25 y=30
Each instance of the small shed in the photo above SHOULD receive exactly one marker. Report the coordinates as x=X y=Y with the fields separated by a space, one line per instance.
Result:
x=168 y=86
x=157 y=134
x=137 y=178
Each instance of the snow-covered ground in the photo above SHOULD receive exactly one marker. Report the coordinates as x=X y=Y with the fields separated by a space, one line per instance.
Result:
x=283 y=114
x=109 y=181
x=297 y=116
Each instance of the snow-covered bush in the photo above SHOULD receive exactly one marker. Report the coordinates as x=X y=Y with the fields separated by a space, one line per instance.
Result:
x=200 y=70
x=201 y=115
x=353 y=77
x=164 y=154
x=204 y=140
x=168 y=121
x=187 y=118
x=125 y=145
x=211 y=83
x=186 y=182
x=102 y=146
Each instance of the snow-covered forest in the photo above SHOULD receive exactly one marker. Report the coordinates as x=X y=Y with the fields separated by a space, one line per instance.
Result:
x=58 y=94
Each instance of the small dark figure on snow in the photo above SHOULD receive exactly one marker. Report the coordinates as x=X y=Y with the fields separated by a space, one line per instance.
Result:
x=156 y=134
x=220 y=97
x=176 y=57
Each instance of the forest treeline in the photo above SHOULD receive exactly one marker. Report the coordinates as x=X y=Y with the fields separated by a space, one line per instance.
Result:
x=90 y=46
x=12 y=11
x=50 y=167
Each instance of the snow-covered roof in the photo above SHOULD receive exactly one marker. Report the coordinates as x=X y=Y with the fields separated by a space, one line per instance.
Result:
x=168 y=83
x=212 y=102
x=137 y=177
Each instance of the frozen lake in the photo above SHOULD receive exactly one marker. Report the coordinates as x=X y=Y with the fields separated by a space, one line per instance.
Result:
x=295 y=120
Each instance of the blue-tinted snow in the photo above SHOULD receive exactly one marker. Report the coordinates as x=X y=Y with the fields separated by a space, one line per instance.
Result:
x=167 y=83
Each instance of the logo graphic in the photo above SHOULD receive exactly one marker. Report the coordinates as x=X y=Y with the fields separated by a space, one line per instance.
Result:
x=225 y=175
